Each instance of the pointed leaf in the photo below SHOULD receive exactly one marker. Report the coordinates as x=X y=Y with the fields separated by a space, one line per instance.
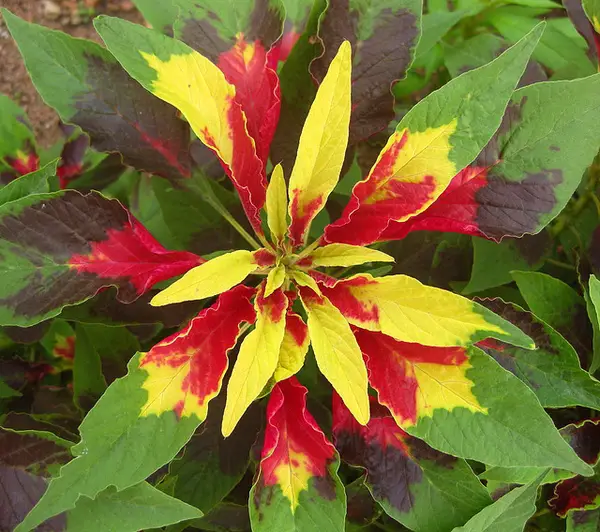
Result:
x=344 y=255
x=145 y=418
x=238 y=41
x=257 y=359
x=87 y=87
x=432 y=143
x=322 y=147
x=425 y=490
x=215 y=276
x=402 y=307
x=383 y=35
x=277 y=205
x=32 y=183
x=177 y=74
x=461 y=402
x=60 y=249
x=297 y=487
x=275 y=279
x=136 y=508
x=17 y=144
x=552 y=371
x=337 y=353
x=508 y=514
x=303 y=279
x=527 y=172
x=294 y=347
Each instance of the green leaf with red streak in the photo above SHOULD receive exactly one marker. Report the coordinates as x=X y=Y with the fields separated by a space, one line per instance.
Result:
x=434 y=141
x=297 y=486
x=507 y=190
x=461 y=402
x=60 y=249
x=383 y=35
x=18 y=154
x=87 y=87
x=425 y=490
x=552 y=371
x=145 y=418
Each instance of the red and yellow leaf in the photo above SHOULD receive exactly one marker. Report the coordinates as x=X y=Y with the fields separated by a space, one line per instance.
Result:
x=298 y=467
x=405 y=309
x=322 y=147
x=258 y=357
x=293 y=347
x=410 y=173
x=337 y=353
x=215 y=276
x=186 y=369
x=413 y=380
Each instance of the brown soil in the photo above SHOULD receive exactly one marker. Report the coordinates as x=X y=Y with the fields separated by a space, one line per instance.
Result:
x=71 y=16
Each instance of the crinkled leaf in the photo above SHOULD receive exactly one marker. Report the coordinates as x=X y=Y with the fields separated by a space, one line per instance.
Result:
x=60 y=249
x=297 y=487
x=87 y=87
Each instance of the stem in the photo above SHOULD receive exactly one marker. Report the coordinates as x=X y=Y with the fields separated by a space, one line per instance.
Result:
x=210 y=197
x=560 y=264
x=307 y=251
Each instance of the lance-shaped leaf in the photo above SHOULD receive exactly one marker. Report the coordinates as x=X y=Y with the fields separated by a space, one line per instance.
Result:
x=383 y=35
x=60 y=249
x=508 y=514
x=179 y=75
x=258 y=356
x=238 y=40
x=294 y=347
x=322 y=147
x=297 y=486
x=425 y=490
x=140 y=507
x=528 y=171
x=87 y=87
x=32 y=183
x=402 y=307
x=146 y=417
x=215 y=276
x=462 y=402
x=277 y=205
x=583 y=437
x=344 y=255
x=552 y=371
x=432 y=143
x=337 y=353
x=17 y=144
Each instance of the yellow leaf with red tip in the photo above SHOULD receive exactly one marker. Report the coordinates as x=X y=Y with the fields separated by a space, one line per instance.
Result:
x=345 y=255
x=322 y=146
x=257 y=359
x=337 y=352
x=214 y=276
x=276 y=205
x=293 y=348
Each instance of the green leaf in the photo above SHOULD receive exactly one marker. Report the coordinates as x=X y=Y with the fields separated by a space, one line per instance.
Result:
x=87 y=87
x=119 y=447
x=435 y=26
x=552 y=371
x=32 y=183
x=583 y=521
x=161 y=16
x=6 y=391
x=508 y=514
x=493 y=262
x=559 y=306
x=555 y=51
x=594 y=295
x=139 y=507
x=17 y=141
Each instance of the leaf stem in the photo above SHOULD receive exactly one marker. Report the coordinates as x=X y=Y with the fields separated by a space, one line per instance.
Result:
x=210 y=197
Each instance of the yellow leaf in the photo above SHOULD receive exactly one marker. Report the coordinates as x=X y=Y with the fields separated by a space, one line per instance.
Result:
x=293 y=348
x=346 y=255
x=303 y=279
x=275 y=279
x=322 y=146
x=257 y=359
x=209 y=279
x=276 y=205
x=337 y=353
